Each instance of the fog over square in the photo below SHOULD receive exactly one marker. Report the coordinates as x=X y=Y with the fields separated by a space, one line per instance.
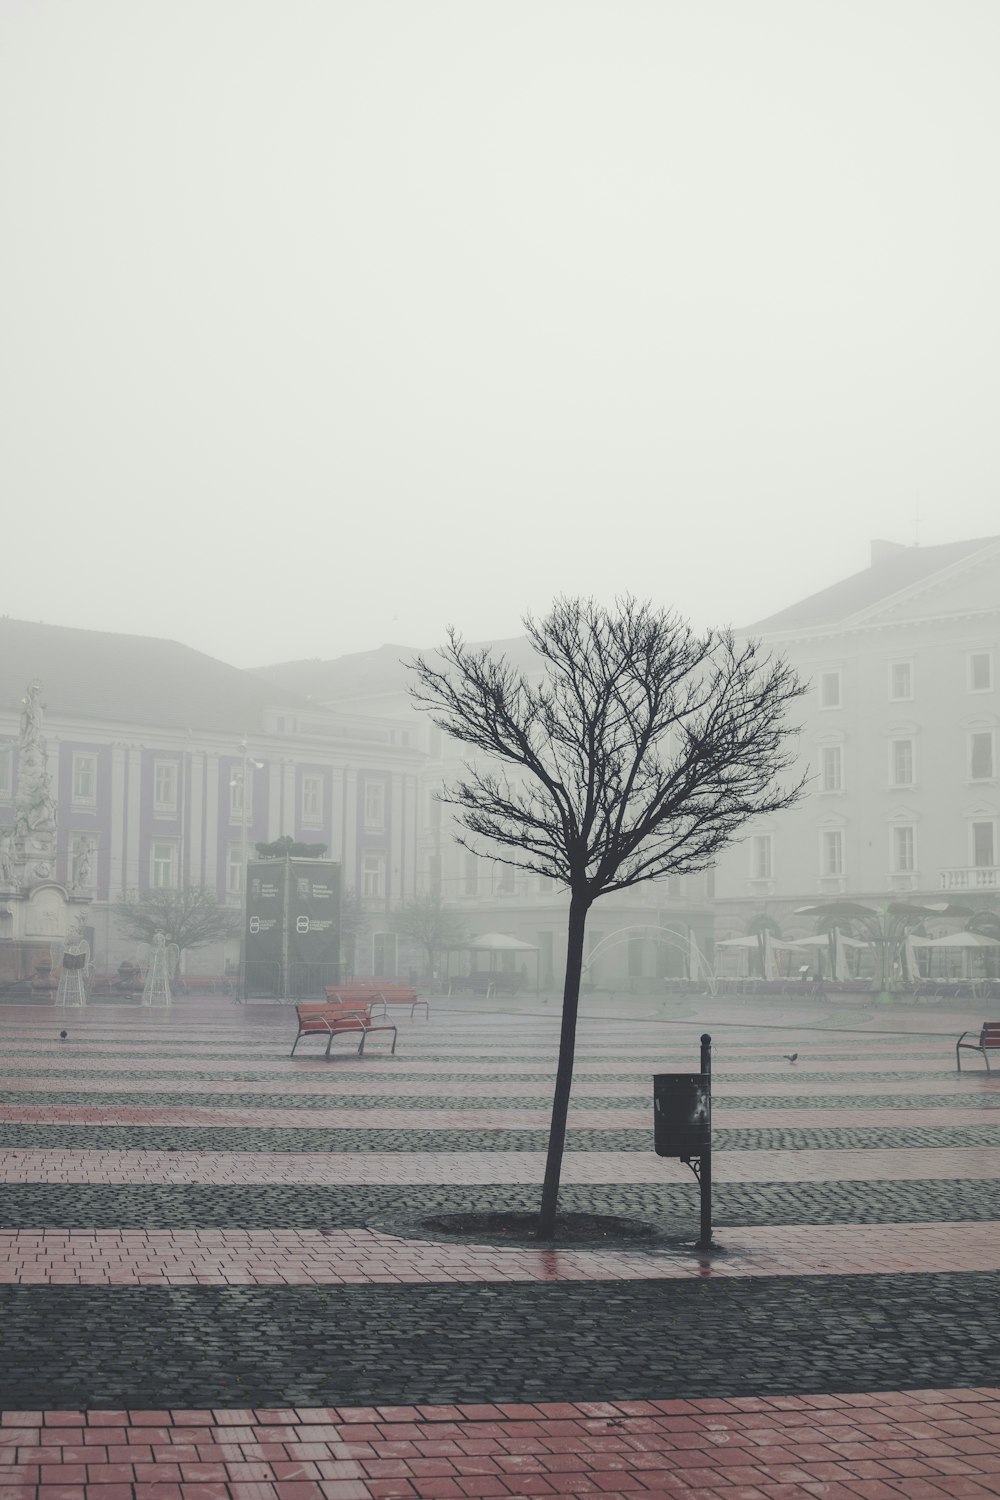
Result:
x=325 y=325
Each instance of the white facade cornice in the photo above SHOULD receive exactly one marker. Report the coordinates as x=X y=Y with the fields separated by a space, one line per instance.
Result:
x=848 y=628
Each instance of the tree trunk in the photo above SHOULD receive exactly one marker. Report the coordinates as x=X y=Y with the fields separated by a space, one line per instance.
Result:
x=564 y=1072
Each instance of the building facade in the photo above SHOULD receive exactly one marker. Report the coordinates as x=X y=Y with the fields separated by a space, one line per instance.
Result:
x=899 y=737
x=172 y=785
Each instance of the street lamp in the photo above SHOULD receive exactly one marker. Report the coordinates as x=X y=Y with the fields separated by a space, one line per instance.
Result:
x=239 y=778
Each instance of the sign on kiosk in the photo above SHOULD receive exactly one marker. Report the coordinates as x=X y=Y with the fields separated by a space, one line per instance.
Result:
x=292 y=938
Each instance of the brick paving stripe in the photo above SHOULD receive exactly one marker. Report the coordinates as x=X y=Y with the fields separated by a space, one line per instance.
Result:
x=348 y=1256
x=201 y=1300
x=40 y=1165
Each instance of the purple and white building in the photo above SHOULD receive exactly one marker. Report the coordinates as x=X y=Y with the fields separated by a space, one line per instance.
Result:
x=148 y=743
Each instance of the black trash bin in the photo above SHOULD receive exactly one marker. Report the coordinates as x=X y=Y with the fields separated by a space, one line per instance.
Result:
x=682 y=1114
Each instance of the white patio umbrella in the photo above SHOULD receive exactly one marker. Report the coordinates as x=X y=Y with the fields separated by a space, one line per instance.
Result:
x=761 y=943
x=957 y=940
x=965 y=942
x=500 y=942
x=745 y=945
x=817 y=943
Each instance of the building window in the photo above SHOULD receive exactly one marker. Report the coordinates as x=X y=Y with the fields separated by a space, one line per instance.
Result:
x=374 y=804
x=234 y=870
x=240 y=795
x=165 y=786
x=983 y=844
x=470 y=879
x=902 y=848
x=761 y=856
x=373 y=876
x=829 y=689
x=832 y=853
x=312 y=800
x=6 y=772
x=980 y=671
x=832 y=768
x=981 y=755
x=504 y=880
x=84 y=780
x=901 y=763
x=900 y=680
x=163 y=866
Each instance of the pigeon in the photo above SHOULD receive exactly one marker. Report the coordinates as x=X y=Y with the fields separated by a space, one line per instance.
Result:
x=790 y=1056
x=63 y=1035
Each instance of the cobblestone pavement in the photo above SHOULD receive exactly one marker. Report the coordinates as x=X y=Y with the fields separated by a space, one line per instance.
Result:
x=215 y=1281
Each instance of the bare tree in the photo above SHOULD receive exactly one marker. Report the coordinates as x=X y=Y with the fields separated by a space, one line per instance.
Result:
x=189 y=916
x=640 y=751
x=353 y=927
x=429 y=923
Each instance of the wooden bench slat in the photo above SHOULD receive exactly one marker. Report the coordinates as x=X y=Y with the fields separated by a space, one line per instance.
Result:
x=377 y=995
x=331 y=1020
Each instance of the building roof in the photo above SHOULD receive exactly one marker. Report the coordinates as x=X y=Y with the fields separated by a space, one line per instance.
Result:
x=371 y=674
x=98 y=675
x=893 y=569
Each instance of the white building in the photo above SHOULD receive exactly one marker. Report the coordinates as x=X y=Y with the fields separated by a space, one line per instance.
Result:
x=900 y=733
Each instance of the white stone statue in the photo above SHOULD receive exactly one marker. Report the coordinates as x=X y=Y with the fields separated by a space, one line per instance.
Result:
x=31 y=715
x=82 y=858
x=35 y=813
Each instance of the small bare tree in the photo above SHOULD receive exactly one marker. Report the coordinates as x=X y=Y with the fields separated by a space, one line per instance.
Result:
x=189 y=916
x=639 y=751
x=353 y=927
x=431 y=925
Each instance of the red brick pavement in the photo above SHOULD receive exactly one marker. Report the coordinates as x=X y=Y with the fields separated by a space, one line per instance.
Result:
x=339 y=1257
x=333 y=1118
x=874 y=1446
x=919 y=1445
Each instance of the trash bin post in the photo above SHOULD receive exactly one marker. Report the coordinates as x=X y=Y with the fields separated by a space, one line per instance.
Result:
x=705 y=1177
x=682 y=1128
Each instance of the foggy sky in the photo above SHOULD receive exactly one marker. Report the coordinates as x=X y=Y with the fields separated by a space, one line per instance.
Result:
x=325 y=323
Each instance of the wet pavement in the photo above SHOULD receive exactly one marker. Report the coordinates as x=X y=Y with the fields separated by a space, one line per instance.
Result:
x=215 y=1282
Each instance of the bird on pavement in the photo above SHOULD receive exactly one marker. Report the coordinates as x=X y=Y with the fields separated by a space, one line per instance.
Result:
x=790 y=1056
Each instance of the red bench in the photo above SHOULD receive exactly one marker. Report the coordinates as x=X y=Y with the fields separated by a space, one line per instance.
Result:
x=989 y=1041
x=377 y=995
x=331 y=1020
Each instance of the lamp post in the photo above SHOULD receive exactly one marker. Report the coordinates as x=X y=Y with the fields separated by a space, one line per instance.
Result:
x=239 y=779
